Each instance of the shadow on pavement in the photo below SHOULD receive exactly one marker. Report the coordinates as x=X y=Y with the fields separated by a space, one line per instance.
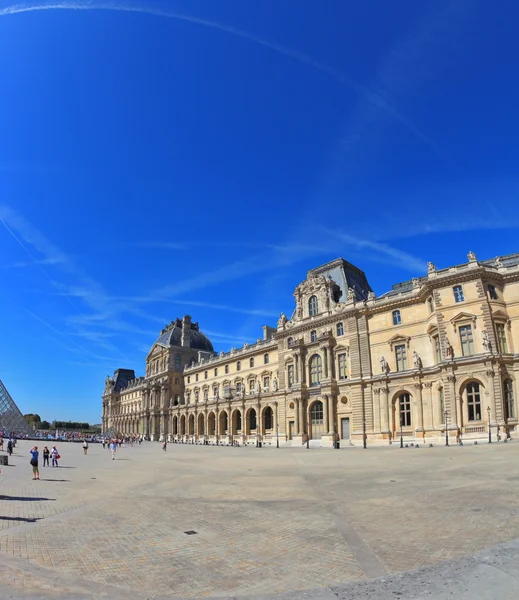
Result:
x=19 y=519
x=26 y=498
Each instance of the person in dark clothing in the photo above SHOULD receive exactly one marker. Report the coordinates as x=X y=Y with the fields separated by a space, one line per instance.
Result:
x=10 y=447
x=46 y=455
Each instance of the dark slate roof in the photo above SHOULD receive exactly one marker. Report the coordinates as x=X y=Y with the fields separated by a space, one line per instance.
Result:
x=122 y=377
x=196 y=339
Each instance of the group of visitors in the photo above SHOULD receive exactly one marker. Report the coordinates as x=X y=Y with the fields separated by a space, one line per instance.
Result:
x=54 y=454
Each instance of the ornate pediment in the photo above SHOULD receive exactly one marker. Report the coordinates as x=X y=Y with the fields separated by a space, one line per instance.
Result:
x=432 y=328
x=500 y=315
x=463 y=317
x=399 y=339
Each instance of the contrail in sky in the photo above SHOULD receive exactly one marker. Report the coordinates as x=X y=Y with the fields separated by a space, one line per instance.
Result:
x=370 y=95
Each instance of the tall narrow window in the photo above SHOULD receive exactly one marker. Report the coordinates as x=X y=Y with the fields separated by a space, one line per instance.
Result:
x=196 y=396
x=178 y=362
x=430 y=304
x=313 y=307
x=437 y=348
x=404 y=408
x=266 y=359
x=226 y=369
x=473 y=402
x=458 y=293
x=206 y=395
x=492 y=292
x=316 y=370
x=205 y=374
x=290 y=375
x=189 y=378
x=269 y=418
x=215 y=392
x=508 y=388
x=238 y=366
x=290 y=341
x=501 y=338
x=313 y=336
x=251 y=362
x=216 y=372
x=401 y=358
x=252 y=386
x=397 y=318
x=196 y=377
x=340 y=329
x=266 y=383
x=343 y=366
x=467 y=340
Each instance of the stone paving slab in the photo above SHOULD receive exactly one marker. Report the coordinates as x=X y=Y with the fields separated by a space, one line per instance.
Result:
x=268 y=521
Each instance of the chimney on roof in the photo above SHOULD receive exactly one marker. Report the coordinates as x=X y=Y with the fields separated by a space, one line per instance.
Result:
x=186 y=329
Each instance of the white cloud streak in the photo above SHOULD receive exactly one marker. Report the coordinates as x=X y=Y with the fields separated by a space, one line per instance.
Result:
x=369 y=95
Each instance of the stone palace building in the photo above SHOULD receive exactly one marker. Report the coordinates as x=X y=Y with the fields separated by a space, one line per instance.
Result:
x=437 y=353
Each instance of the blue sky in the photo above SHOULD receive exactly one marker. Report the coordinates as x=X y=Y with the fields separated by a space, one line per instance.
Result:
x=159 y=158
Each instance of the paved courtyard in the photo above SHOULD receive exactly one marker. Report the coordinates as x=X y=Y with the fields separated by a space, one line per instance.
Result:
x=267 y=521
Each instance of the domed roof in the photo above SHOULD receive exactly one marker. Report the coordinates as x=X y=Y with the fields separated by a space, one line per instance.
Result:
x=184 y=334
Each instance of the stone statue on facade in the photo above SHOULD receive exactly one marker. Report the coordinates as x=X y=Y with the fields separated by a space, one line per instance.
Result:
x=416 y=282
x=282 y=321
x=384 y=366
x=498 y=262
x=259 y=387
x=417 y=361
x=351 y=294
x=448 y=350
x=371 y=295
x=487 y=344
x=471 y=256
x=431 y=267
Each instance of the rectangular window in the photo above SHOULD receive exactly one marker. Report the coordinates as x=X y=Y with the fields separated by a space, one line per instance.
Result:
x=509 y=399
x=501 y=338
x=340 y=329
x=343 y=366
x=189 y=378
x=196 y=376
x=492 y=292
x=442 y=405
x=290 y=375
x=437 y=349
x=397 y=318
x=473 y=402
x=458 y=293
x=252 y=386
x=266 y=383
x=401 y=358
x=467 y=340
x=205 y=374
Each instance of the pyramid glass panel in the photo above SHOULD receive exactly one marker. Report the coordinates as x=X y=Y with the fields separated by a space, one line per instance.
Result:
x=12 y=422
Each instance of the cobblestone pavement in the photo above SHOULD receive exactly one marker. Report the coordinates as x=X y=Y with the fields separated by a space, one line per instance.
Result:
x=267 y=521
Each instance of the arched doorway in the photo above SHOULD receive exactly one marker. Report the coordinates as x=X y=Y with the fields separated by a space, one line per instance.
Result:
x=183 y=425
x=175 y=425
x=191 y=425
x=402 y=416
x=236 y=422
x=223 y=423
x=268 y=419
x=201 y=428
x=211 y=424
x=251 y=421
x=317 y=420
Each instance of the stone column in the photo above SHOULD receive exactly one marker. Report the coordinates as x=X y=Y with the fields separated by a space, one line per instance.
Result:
x=243 y=423
x=492 y=399
x=298 y=430
x=259 y=428
x=217 y=422
x=377 y=417
x=325 y=361
x=419 y=408
x=301 y=417
x=429 y=420
x=453 y=416
x=326 y=414
x=331 y=415
x=385 y=410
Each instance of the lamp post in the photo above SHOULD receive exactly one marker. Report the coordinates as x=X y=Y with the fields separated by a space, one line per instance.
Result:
x=307 y=429
x=364 y=431
x=489 y=429
x=446 y=415
x=277 y=435
x=401 y=433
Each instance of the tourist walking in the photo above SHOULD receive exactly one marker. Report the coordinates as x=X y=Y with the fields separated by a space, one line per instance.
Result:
x=85 y=447
x=46 y=456
x=1 y=443
x=55 y=456
x=164 y=445
x=34 y=462
x=113 y=448
x=10 y=447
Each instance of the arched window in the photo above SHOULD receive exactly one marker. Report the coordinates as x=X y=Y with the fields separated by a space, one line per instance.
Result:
x=216 y=372
x=178 y=362
x=197 y=394
x=474 y=401
x=205 y=374
x=290 y=341
x=189 y=378
x=313 y=336
x=313 y=307
x=340 y=329
x=316 y=370
x=238 y=420
x=266 y=359
x=397 y=318
x=251 y=361
x=226 y=369
x=238 y=366
x=206 y=395
x=268 y=418
x=215 y=391
x=317 y=413
x=252 y=419
x=404 y=409
x=508 y=388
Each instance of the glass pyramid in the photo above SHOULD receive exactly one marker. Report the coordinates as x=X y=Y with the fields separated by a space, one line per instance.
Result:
x=12 y=422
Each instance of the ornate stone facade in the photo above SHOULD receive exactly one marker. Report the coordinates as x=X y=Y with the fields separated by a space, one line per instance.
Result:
x=434 y=353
